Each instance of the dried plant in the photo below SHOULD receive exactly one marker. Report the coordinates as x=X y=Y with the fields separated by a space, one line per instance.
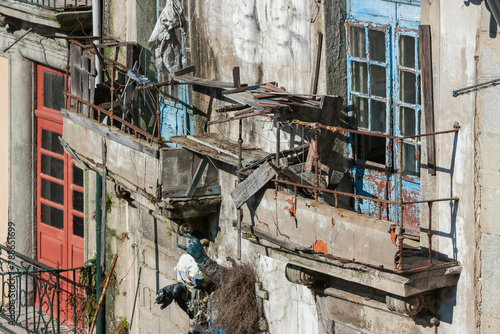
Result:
x=234 y=302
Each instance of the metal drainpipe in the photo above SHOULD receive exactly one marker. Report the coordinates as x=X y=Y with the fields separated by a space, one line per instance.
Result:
x=98 y=219
x=495 y=9
x=96 y=31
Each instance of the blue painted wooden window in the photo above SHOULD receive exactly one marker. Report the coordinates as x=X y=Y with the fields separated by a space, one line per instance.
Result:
x=383 y=96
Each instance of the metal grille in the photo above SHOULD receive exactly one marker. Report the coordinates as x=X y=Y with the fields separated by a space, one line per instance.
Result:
x=59 y=4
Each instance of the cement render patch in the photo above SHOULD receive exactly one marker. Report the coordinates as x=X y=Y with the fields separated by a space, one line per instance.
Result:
x=490 y=246
x=489 y=324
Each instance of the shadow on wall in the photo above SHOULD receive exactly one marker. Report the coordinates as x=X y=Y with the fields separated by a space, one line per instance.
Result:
x=493 y=23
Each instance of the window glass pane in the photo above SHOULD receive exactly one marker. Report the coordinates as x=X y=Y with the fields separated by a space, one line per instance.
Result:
x=376 y=45
x=77 y=201
x=52 y=216
x=407 y=87
x=52 y=191
x=53 y=90
x=359 y=77
x=78 y=224
x=407 y=51
x=377 y=116
x=378 y=80
x=358 y=42
x=370 y=148
x=50 y=141
x=407 y=122
x=77 y=176
x=360 y=112
x=409 y=158
x=53 y=166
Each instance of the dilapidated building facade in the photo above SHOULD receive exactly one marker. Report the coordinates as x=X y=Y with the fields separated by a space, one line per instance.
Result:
x=345 y=150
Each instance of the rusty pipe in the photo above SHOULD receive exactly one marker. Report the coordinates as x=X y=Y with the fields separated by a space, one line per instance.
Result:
x=316 y=160
x=429 y=232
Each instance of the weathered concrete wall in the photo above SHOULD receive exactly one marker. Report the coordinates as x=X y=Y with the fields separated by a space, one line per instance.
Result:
x=147 y=255
x=455 y=29
x=4 y=147
x=487 y=181
x=22 y=163
x=323 y=228
x=135 y=169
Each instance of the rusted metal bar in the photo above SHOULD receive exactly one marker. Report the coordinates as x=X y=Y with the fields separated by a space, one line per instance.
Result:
x=238 y=211
x=295 y=200
x=399 y=217
x=158 y=113
x=336 y=200
x=340 y=193
x=433 y=200
x=17 y=40
x=112 y=61
x=161 y=84
x=316 y=160
x=110 y=273
x=456 y=128
x=104 y=111
x=429 y=232
x=112 y=92
x=278 y=135
x=436 y=265
x=379 y=210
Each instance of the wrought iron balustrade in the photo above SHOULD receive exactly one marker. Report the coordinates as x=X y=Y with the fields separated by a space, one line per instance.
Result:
x=58 y=4
x=42 y=299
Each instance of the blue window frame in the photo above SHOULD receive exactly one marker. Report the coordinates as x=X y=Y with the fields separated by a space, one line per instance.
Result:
x=383 y=96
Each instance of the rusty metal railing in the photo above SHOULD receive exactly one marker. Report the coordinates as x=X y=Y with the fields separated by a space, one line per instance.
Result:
x=399 y=203
x=110 y=68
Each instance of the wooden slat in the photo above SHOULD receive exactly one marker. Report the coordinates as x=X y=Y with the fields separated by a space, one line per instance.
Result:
x=258 y=179
x=425 y=55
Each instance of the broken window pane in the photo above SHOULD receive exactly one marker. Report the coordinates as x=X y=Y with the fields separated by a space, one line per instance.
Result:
x=407 y=122
x=407 y=51
x=358 y=42
x=359 y=77
x=407 y=87
x=378 y=80
x=360 y=112
x=377 y=116
x=409 y=158
x=53 y=90
x=376 y=41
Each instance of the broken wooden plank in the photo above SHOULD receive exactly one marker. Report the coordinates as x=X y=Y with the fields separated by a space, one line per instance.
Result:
x=258 y=179
x=425 y=55
x=186 y=70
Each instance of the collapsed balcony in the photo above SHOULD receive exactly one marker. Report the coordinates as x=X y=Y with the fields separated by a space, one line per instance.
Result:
x=118 y=123
x=284 y=205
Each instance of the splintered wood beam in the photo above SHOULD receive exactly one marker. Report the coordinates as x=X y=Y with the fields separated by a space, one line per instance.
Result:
x=253 y=183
